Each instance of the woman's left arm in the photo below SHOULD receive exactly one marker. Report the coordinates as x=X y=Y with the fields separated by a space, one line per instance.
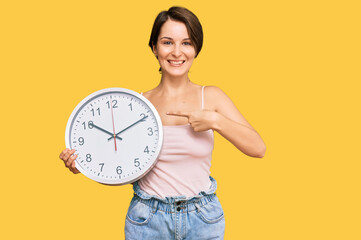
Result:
x=230 y=123
x=225 y=118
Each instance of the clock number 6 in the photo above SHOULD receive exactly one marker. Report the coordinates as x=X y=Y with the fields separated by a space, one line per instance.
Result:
x=119 y=170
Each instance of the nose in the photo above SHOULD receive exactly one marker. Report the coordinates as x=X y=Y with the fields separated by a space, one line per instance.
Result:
x=177 y=52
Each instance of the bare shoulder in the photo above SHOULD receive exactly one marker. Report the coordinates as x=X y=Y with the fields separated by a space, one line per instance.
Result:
x=148 y=93
x=217 y=100
x=215 y=97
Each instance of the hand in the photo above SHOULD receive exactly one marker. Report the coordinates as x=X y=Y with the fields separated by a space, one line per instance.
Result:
x=140 y=120
x=103 y=130
x=115 y=141
x=68 y=158
x=201 y=120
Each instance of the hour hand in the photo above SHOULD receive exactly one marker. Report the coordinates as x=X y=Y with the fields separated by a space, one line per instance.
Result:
x=103 y=130
x=140 y=120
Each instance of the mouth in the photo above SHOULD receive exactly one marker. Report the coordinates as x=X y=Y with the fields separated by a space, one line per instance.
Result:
x=176 y=63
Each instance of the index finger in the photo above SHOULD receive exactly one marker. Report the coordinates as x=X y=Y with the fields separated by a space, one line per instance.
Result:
x=179 y=113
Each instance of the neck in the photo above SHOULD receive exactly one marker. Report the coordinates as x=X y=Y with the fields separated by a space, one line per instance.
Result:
x=171 y=85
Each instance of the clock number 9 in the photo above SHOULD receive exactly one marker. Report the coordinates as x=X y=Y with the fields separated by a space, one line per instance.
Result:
x=119 y=170
x=81 y=141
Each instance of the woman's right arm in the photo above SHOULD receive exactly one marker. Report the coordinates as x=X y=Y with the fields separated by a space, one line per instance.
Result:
x=67 y=156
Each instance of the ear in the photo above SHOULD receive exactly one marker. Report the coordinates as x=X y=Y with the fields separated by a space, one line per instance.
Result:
x=154 y=50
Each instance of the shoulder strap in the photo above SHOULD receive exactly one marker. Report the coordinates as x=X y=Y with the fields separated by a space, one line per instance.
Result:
x=202 y=97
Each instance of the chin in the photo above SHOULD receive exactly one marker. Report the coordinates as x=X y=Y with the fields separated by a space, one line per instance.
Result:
x=176 y=73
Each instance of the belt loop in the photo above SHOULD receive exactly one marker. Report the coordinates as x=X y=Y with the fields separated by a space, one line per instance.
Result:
x=197 y=207
x=155 y=205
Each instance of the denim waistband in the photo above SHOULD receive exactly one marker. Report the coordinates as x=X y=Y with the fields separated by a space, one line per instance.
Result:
x=180 y=206
x=172 y=199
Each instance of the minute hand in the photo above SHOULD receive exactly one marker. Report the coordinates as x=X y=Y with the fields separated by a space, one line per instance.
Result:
x=140 y=120
x=103 y=130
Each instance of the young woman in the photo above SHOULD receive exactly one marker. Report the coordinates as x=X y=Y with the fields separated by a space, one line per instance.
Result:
x=176 y=199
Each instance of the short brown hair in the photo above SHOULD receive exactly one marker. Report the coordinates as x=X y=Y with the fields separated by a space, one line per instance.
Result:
x=183 y=15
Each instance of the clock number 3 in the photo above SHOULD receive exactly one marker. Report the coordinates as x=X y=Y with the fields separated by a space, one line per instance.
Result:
x=150 y=131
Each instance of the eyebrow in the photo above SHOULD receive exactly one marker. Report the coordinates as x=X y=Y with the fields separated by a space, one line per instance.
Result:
x=172 y=38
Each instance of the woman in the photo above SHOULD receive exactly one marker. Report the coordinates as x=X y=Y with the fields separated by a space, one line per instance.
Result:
x=177 y=199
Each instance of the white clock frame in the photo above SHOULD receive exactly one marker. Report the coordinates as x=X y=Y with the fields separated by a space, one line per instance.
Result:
x=85 y=104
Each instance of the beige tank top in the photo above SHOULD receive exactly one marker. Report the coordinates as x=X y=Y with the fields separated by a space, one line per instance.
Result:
x=184 y=163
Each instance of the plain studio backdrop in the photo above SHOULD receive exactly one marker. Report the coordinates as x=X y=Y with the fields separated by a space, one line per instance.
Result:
x=291 y=67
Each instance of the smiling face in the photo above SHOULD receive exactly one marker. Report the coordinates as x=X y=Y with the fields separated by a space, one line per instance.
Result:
x=174 y=49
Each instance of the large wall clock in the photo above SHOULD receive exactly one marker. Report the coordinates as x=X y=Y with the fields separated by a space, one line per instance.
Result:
x=117 y=134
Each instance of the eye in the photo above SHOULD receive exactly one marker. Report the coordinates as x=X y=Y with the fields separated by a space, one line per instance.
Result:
x=187 y=43
x=167 y=43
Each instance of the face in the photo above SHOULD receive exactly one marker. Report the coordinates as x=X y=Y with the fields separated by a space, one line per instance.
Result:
x=174 y=49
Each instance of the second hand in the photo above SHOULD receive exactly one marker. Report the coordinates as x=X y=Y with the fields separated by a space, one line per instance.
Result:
x=111 y=107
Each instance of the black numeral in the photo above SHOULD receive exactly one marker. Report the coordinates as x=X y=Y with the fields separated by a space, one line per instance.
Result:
x=98 y=110
x=136 y=162
x=90 y=125
x=146 y=150
x=150 y=131
x=81 y=141
x=102 y=165
x=119 y=170
x=131 y=107
x=88 y=157
x=114 y=103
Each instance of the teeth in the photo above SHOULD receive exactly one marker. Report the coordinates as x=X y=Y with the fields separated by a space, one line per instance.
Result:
x=176 y=62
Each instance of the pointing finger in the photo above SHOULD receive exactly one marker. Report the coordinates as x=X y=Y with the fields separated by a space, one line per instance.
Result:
x=179 y=113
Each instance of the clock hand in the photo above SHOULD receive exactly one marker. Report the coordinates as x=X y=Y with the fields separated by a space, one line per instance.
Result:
x=140 y=120
x=101 y=129
x=115 y=141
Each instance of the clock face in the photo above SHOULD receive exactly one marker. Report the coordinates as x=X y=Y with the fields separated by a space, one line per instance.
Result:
x=117 y=134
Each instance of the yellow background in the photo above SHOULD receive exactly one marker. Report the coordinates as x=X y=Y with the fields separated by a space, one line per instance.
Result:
x=291 y=67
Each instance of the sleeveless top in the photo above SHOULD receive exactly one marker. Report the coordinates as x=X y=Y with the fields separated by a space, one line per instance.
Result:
x=184 y=163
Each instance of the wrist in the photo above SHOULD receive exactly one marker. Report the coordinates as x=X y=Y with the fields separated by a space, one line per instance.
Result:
x=218 y=121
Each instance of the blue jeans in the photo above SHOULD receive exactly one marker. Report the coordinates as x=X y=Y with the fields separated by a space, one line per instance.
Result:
x=198 y=218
